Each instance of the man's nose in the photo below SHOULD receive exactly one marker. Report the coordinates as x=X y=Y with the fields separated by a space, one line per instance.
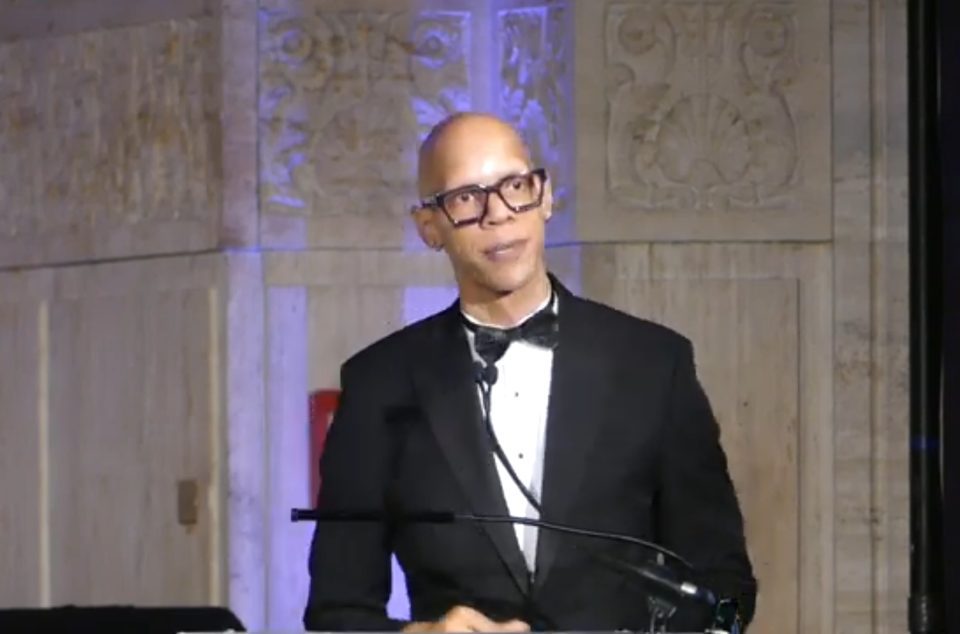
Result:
x=497 y=210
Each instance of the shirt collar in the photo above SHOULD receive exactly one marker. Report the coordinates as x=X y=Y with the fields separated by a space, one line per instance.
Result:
x=550 y=299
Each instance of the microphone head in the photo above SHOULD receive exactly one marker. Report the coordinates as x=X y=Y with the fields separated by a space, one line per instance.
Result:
x=485 y=373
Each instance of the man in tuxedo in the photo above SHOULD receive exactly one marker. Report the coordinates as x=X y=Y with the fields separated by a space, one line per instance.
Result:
x=596 y=420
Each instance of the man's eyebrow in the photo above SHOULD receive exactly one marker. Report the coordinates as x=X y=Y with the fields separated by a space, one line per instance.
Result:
x=493 y=181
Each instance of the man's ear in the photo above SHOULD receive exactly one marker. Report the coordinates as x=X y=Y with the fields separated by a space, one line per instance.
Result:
x=427 y=228
x=546 y=207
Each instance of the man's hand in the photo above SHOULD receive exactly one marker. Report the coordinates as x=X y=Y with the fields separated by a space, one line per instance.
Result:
x=464 y=619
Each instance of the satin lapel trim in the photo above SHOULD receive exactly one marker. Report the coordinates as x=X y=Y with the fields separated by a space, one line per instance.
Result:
x=573 y=415
x=452 y=407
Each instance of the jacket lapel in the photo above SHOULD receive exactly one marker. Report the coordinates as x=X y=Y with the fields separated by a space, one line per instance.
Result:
x=575 y=407
x=451 y=403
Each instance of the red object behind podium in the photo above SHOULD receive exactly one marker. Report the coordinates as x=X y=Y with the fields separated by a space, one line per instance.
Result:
x=323 y=403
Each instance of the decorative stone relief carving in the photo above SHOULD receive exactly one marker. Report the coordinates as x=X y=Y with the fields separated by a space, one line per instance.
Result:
x=701 y=112
x=345 y=98
x=534 y=83
x=108 y=129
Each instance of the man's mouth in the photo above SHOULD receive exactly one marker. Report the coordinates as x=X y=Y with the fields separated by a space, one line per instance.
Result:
x=503 y=250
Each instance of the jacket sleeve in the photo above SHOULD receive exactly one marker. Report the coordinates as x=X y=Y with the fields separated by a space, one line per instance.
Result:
x=350 y=561
x=699 y=515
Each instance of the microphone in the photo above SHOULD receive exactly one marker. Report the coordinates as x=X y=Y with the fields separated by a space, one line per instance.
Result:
x=486 y=374
x=660 y=576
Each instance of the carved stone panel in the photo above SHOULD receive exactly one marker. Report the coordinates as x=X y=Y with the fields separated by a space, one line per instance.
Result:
x=36 y=20
x=108 y=143
x=345 y=97
x=710 y=120
x=535 y=69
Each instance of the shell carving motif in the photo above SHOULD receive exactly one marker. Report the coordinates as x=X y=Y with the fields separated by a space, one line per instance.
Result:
x=702 y=103
x=703 y=141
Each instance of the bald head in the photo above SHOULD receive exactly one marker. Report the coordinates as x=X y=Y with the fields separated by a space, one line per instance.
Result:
x=495 y=243
x=464 y=137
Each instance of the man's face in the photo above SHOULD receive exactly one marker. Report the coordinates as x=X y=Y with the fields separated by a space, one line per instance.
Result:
x=503 y=252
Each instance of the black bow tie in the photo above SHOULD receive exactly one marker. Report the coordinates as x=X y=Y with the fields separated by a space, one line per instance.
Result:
x=541 y=330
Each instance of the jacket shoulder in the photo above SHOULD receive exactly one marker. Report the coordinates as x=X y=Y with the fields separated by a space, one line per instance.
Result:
x=610 y=322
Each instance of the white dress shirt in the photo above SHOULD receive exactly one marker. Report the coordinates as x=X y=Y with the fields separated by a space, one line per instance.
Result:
x=518 y=403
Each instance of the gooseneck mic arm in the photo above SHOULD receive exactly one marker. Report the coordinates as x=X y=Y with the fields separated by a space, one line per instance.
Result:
x=446 y=517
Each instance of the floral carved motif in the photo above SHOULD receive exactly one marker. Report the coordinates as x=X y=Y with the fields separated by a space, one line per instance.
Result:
x=345 y=98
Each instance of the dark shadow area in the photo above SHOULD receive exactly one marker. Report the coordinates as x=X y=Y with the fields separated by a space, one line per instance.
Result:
x=120 y=619
x=950 y=127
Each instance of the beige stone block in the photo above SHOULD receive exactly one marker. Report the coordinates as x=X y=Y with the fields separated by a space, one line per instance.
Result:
x=23 y=554
x=388 y=267
x=344 y=320
x=287 y=417
x=703 y=120
x=130 y=418
x=31 y=20
x=242 y=437
x=855 y=353
x=891 y=498
x=353 y=269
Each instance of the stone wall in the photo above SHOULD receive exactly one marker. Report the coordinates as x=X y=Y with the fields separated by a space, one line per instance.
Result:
x=202 y=213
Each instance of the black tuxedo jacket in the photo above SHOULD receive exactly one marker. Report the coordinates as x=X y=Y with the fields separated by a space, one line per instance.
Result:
x=631 y=447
